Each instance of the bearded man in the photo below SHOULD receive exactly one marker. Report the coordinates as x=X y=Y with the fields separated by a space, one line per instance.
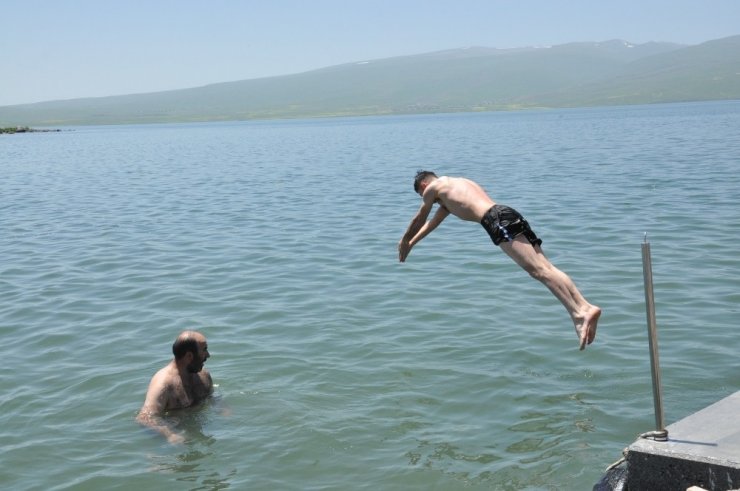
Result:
x=181 y=384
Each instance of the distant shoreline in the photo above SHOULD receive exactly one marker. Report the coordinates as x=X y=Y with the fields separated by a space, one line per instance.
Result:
x=24 y=129
x=584 y=74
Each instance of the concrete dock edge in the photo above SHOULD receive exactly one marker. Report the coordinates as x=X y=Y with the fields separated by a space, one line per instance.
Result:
x=702 y=450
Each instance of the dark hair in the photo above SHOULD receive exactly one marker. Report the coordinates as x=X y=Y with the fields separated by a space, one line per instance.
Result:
x=420 y=176
x=182 y=345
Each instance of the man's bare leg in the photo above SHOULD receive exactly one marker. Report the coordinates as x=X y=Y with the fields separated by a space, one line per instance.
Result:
x=584 y=315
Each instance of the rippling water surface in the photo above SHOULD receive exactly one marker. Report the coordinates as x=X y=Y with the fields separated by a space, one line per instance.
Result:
x=337 y=367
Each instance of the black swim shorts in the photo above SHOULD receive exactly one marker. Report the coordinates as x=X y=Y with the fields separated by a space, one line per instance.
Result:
x=503 y=224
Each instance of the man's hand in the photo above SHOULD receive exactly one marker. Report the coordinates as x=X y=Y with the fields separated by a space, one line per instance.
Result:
x=404 y=247
x=175 y=438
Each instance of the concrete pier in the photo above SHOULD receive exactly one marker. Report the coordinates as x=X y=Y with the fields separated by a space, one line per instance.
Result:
x=702 y=450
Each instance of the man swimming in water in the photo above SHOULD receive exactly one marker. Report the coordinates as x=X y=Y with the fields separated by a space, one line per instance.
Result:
x=182 y=383
x=508 y=229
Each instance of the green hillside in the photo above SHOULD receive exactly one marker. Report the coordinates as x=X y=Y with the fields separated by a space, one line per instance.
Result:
x=473 y=79
x=710 y=71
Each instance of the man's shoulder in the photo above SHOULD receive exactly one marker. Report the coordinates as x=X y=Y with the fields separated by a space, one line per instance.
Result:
x=448 y=181
x=439 y=183
x=205 y=377
x=165 y=376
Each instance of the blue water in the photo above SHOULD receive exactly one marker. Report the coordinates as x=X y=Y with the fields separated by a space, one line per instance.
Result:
x=337 y=367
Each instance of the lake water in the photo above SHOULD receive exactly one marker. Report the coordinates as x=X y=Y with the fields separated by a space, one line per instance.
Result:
x=338 y=368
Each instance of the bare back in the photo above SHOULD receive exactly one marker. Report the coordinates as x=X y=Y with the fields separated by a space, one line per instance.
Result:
x=462 y=197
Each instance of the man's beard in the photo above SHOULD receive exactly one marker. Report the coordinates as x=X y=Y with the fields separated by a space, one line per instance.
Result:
x=195 y=366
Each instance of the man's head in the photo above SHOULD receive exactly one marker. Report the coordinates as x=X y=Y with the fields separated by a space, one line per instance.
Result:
x=421 y=177
x=191 y=350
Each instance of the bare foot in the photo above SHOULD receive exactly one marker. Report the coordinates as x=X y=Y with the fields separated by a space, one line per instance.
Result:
x=587 y=328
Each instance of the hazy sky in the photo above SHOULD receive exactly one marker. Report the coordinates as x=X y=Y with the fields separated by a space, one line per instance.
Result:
x=62 y=49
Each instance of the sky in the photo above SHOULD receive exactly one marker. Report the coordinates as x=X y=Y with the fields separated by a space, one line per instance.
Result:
x=65 y=49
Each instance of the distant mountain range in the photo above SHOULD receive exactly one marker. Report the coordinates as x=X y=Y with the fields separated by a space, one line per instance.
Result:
x=472 y=79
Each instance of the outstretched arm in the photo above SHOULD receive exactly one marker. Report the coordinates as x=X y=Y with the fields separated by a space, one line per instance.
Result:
x=419 y=227
x=154 y=406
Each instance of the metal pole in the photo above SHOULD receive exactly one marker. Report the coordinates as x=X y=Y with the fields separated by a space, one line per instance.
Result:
x=647 y=270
